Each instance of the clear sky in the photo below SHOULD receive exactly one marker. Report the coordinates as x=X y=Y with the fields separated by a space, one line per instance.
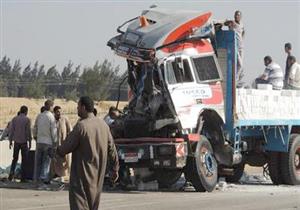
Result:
x=56 y=31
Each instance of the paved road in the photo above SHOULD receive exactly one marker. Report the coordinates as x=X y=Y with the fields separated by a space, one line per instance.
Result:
x=233 y=197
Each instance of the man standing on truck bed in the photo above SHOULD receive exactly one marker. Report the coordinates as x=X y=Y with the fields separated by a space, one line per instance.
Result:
x=273 y=74
x=237 y=26
x=294 y=74
x=90 y=143
x=288 y=51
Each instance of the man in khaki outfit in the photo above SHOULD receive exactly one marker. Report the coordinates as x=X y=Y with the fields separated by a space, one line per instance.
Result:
x=90 y=143
x=60 y=166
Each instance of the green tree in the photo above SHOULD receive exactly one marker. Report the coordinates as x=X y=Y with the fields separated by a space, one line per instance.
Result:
x=36 y=89
x=10 y=76
x=5 y=71
x=14 y=79
x=52 y=81
x=98 y=80
x=3 y=89
x=26 y=82
x=70 y=79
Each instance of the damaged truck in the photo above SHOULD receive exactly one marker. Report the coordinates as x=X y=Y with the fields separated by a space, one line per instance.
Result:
x=185 y=114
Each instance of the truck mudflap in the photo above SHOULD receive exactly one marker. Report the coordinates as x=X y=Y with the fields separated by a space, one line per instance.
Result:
x=153 y=154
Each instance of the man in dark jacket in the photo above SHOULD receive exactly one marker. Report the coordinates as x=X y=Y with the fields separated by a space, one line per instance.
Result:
x=288 y=51
x=20 y=134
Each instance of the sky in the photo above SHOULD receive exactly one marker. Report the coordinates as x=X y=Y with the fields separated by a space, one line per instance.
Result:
x=54 y=32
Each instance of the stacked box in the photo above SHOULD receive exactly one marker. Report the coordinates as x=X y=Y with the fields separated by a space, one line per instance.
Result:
x=267 y=104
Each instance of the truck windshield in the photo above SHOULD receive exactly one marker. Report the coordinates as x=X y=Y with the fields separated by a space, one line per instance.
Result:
x=179 y=73
x=206 y=68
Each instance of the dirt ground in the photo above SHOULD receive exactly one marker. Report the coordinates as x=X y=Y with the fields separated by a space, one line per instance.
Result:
x=10 y=106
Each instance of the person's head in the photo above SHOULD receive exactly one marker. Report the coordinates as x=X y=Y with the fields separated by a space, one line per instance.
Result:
x=237 y=16
x=95 y=112
x=43 y=108
x=288 y=47
x=48 y=105
x=267 y=60
x=291 y=60
x=85 y=106
x=24 y=110
x=113 y=112
x=57 y=112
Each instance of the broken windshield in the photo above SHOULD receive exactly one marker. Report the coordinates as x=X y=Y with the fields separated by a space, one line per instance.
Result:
x=178 y=72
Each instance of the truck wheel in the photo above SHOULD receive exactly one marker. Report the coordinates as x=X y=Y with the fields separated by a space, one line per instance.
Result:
x=238 y=171
x=290 y=162
x=274 y=167
x=166 y=178
x=202 y=169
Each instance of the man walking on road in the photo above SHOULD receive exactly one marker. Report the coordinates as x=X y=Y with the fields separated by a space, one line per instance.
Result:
x=45 y=133
x=20 y=134
x=61 y=166
x=91 y=144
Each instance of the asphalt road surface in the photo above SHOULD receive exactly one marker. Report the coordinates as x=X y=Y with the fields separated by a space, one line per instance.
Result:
x=231 y=197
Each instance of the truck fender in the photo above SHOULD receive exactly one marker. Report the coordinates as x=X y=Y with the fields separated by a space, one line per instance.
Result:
x=210 y=124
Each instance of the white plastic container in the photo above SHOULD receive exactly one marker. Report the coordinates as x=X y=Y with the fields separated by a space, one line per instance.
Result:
x=264 y=86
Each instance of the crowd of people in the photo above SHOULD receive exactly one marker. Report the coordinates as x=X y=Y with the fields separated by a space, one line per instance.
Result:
x=274 y=75
x=90 y=142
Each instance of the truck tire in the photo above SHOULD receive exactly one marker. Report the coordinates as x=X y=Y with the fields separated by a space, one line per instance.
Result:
x=290 y=162
x=166 y=178
x=274 y=166
x=202 y=169
x=238 y=171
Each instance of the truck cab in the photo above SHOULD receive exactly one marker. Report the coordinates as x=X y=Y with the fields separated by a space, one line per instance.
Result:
x=194 y=84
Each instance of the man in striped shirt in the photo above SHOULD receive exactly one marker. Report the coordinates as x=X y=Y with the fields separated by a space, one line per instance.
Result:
x=273 y=74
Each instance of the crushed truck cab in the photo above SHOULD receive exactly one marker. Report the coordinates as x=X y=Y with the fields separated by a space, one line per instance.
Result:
x=185 y=114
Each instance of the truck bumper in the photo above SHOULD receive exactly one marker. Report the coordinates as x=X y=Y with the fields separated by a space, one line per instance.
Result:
x=170 y=155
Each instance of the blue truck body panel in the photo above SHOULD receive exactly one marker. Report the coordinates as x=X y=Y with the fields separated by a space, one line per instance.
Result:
x=274 y=133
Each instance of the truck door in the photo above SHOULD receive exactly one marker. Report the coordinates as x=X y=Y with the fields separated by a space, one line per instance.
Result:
x=188 y=93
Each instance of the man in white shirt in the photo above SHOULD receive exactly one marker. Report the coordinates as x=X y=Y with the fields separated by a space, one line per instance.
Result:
x=45 y=133
x=273 y=74
x=294 y=73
